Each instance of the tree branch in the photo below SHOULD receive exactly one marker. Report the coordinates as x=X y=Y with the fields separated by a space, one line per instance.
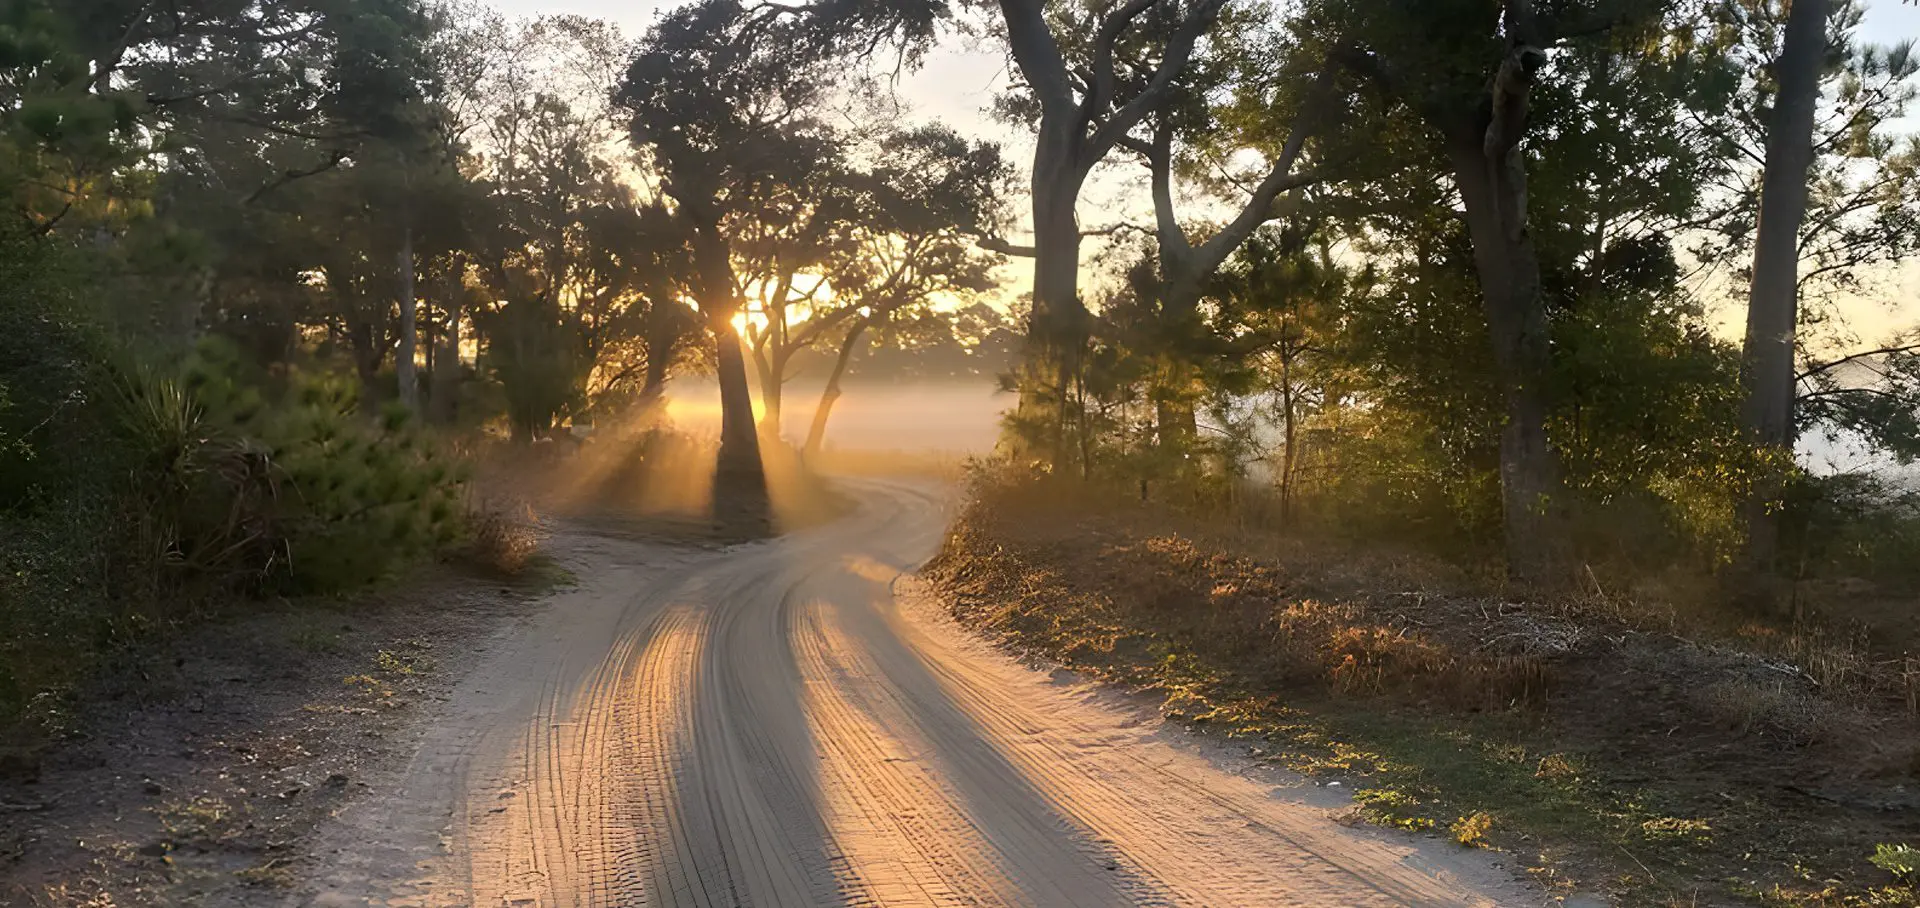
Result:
x=1891 y=350
x=110 y=61
x=1006 y=247
x=1179 y=52
x=1036 y=53
x=1100 y=85
x=1174 y=246
x=1280 y=179
x=334 y=160
x=1512 y=93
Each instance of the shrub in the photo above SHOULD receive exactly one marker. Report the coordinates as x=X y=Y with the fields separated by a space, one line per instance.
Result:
x=289 y=489
x=1853 y=525
x=1471 y=831
x=1902 y=861
x=500 y=542
x=59 y=470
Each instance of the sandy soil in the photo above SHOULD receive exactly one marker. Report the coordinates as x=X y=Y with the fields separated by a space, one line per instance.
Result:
x=196 y=771
x=793 y=723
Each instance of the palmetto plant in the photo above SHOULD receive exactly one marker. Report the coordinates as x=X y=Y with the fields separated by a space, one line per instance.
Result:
x=204 y=497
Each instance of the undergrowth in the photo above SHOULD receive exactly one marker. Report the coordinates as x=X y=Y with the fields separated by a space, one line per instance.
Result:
x=1603 y=743
x=149 y=496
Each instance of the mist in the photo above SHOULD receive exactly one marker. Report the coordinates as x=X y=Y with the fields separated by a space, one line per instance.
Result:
x=954 y=417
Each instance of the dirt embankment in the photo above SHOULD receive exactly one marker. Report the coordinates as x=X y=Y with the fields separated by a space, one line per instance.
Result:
x=194 y=774
x=1606 y=751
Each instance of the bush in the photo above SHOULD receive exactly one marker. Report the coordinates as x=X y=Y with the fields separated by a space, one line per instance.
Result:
x=1852 y=526
x=59 y=471
x=501 y=542
x=283 y=487
x=1903 y=861
x=138 y=497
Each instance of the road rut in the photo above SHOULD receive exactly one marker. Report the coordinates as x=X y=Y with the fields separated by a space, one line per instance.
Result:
x=794 y=723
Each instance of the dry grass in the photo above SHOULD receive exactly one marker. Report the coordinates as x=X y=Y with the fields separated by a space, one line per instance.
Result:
x=1674 y=757
x=503 y=538
x=1237 y=608
x=1747 y=706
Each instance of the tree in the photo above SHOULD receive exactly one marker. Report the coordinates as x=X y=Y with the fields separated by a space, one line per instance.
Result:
x=584 y=277
x=1286 y=295
x=1859 y=201
x=1470 y=73
x=930 y=199
x=839 y=249
x=1255 y=91
x=334 y=74
x=1086 y=97
x=719 y=97
x=807 y=225
x=1767 y=368
x=555 y=221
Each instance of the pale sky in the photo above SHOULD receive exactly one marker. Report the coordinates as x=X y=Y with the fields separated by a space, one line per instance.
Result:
x=958 y=83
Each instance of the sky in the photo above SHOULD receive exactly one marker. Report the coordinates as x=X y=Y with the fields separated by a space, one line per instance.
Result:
x=958 y=83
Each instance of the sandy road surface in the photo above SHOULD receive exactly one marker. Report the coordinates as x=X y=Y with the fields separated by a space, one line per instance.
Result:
x=790 y=724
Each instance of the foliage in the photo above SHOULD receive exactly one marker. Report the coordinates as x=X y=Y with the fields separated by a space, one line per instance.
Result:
x=58 y=467
x=1342 y=352
x=134 y=497
x=252 y=487
x=1851 y=525
x=1902 y=861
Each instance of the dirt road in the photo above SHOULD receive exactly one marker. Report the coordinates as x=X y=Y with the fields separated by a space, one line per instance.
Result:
x=790 y=724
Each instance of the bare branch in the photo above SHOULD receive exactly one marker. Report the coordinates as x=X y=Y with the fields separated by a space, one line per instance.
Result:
x=333 y=160
x=1891 y=350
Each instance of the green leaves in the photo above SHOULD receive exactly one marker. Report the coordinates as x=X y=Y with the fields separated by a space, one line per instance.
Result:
x=1902 y=861
x=304 y=495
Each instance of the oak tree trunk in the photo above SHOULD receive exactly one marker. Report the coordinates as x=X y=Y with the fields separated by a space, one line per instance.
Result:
x=1494 y=194
x=771 y=368
x=736 y=401
x=740 y=482
x=653 y=390
x=1057 y=325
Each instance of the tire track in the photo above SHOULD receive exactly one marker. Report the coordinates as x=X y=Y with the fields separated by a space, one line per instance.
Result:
x=764 y=726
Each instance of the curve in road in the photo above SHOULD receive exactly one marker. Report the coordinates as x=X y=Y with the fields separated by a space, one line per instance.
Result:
x=794 y=723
